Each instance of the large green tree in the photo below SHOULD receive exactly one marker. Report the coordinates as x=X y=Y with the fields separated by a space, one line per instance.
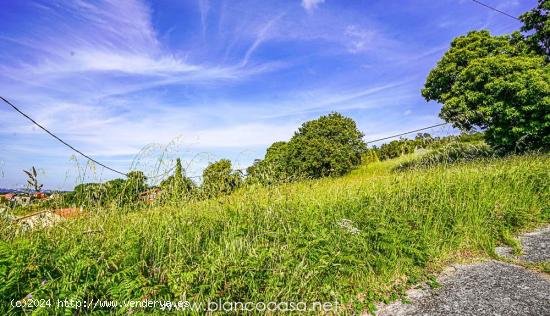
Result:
x=495 y=83
x=328 y=146
x=536 y=26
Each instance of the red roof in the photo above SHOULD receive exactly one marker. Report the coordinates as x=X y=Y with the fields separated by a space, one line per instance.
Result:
x=39 y=195
x=70 y=212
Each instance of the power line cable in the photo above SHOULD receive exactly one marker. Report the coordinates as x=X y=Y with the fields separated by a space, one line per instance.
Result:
x=171 y=169
x=496 y=10
x=59 y=139
x=405 y=133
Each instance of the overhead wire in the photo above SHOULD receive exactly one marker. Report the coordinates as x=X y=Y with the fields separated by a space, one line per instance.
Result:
x=171 y=169
x=496 y=10
x=59 y=139
x=405 y=133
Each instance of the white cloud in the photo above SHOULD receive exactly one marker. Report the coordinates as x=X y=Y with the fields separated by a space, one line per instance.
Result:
x=262 y=35
x=103 y=131
x=114 y=38
x=360 y=40
x=111 y=61
x=117 y=126
x=310 y=5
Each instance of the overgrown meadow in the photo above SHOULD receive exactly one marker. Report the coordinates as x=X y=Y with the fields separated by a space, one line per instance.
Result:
x=358 y=239
x=319 y=218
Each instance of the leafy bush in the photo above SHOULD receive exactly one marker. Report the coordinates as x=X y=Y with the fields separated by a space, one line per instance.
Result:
x=451 y=153
x=119 y=192
x=177 y=186
x=396 y=148
x=328 y=146
x=219 y=178
x=273 y=168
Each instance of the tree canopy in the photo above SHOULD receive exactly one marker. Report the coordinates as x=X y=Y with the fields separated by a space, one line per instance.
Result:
x=536 y=25
x=273 y=168
x=495 y=83
x=328 y=146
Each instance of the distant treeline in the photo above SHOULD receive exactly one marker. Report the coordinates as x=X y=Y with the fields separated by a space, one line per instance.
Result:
x=404 y=146
x=328 y=146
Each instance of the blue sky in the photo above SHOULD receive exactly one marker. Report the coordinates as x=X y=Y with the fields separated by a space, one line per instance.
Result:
x=131 y=81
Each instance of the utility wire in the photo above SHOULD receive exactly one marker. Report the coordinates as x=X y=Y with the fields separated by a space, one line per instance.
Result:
x=78 y=151
x=368 y=142
x=402 y=134
x=59 y=139
x=171 y=169
x=496 y=10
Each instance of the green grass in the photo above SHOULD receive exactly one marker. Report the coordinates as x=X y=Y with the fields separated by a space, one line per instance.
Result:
x=449 y=154
x=357 y=240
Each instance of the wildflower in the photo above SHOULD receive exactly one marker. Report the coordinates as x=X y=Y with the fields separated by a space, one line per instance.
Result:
x=348 y=225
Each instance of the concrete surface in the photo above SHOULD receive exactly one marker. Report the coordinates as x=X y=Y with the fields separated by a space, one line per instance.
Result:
x=486 y=288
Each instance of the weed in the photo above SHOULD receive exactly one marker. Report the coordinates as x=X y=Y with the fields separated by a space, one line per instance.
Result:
x=357 y=239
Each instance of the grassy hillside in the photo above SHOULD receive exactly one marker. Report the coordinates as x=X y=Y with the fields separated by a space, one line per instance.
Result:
x=357 y=239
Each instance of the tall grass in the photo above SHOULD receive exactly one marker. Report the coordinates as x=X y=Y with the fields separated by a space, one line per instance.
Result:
x=450 y=153
x=357 y=240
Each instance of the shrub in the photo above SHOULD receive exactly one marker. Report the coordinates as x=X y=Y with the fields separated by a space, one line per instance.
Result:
x=273 y=168
x=177 y=186
x=396 y=148
x=219 y=178
x=118 y=192
x=328 y=146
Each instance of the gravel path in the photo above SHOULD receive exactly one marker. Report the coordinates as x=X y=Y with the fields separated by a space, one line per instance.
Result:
x=486 y=288
x=535 y=245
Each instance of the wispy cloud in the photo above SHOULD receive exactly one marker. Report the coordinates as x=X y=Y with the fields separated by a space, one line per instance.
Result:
x=204 y=7
x=262 y=35
x=310 y=5
x=112 y=61
x=112 y=76
x=326 y=100
x=360 y=40
x=117 y=37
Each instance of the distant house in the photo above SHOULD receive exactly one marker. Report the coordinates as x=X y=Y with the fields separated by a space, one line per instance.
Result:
x=8 y=196
x=23 y=200
x=39 y=195
x=150 y=195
